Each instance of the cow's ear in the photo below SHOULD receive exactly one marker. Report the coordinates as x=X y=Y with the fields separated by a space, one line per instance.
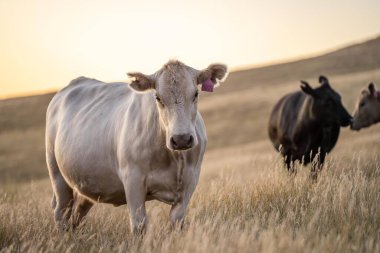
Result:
x=305 y=87
x=372 y=90
x=215 y=72
x=141 y=82
x=323 y=81
x=364 y=92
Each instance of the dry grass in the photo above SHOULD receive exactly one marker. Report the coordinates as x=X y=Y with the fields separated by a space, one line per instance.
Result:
x=271 y=213
x=245 y=201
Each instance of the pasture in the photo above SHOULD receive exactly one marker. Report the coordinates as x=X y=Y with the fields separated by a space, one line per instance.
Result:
x=245 y=200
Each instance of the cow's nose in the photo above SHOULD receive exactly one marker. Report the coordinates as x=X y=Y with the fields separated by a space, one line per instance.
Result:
x=347 y=122
x=354 y=126
x=182 y=141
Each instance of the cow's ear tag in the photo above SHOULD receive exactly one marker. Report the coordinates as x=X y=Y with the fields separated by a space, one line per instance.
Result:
x=208 y=85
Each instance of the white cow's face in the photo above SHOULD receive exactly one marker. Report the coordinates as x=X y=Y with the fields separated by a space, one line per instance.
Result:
x=177 y=99
x=176 y=91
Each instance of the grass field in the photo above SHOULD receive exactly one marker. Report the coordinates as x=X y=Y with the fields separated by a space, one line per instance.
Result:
x=245 y=201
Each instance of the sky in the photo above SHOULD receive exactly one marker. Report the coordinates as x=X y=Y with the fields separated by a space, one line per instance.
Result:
x=44 y=44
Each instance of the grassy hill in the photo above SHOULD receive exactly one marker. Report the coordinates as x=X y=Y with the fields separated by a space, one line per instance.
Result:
x=245 y=200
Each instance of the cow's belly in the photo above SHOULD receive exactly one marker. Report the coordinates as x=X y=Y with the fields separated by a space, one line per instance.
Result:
x=104 y=189
x=102 y=193
x=92 y=174
x=166 y=196
x=99 y=186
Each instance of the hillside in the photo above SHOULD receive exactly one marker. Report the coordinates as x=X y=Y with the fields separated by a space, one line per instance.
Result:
x=352 y=59
x=235 y=115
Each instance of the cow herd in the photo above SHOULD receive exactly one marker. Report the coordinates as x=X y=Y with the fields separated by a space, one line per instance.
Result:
x=304 y=125
x=127 y=144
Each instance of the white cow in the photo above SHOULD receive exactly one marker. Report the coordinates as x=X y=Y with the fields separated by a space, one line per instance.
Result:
x=114 y=143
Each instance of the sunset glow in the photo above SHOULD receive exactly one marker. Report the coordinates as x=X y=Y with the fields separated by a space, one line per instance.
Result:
x=44 y=44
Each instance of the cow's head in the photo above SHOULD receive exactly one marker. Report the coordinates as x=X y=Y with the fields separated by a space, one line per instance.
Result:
x=176 y=91
x=327 y=104
x=367 y=109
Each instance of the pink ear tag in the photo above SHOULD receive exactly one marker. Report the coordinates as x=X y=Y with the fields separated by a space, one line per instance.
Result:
x=208 y=86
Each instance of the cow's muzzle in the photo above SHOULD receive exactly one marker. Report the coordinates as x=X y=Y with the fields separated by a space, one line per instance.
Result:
x=347 y=121
x=355 y=126
x=182 y=141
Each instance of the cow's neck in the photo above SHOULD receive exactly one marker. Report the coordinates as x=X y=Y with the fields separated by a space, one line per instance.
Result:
x=318 y=122
x=181 y=166
x=377 y=120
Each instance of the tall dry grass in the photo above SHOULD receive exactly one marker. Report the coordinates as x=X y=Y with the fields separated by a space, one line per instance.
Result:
x=271 y=212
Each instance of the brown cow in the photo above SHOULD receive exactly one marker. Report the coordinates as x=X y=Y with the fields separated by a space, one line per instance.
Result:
x=367 y=109
x=305 y=124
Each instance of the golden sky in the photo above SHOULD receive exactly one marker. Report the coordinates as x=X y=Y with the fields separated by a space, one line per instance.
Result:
x=46 y=43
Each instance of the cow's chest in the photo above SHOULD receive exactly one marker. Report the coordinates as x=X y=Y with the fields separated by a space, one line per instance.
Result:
x=324 y=138
x=165 y=185
x=330 y=137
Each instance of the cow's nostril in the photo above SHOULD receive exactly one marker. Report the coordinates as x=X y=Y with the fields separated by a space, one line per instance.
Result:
x=173 y=142
x=190 y=141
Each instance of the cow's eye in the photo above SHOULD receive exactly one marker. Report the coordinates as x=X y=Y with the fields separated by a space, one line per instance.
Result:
x=196 y=95
x=362 y=104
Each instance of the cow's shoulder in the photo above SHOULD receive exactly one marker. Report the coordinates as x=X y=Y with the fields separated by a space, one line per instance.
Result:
x=295 y=100
x=289 y=108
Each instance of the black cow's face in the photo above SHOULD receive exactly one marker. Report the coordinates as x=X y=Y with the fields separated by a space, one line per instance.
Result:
x=327 y=104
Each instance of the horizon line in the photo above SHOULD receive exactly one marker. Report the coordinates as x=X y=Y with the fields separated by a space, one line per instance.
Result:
x=241 y=68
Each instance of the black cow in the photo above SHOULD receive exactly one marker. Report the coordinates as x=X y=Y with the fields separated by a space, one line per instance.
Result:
x=305 y=124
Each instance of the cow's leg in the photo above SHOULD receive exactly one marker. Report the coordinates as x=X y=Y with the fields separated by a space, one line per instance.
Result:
x=317 y=165
x=289 y=163
x=64 y=198
x=135 y=192
x=81 y=207
x=178 y=210
x=177 y=213
x=53 y=202
x=63 y=194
